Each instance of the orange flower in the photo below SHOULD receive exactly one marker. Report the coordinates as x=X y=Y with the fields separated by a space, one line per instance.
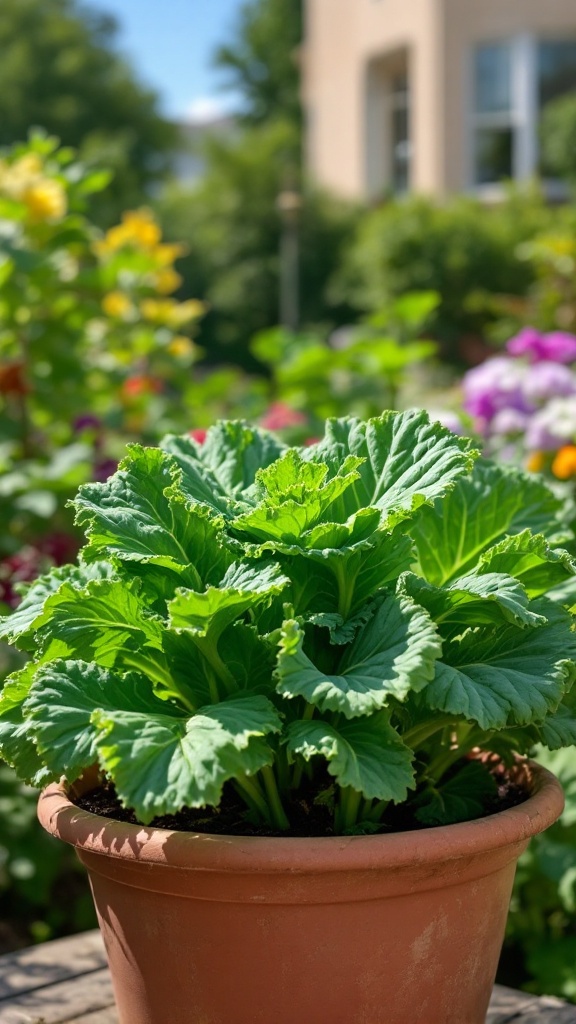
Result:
x=535 y=462
x=140 y=385
x=564 y=464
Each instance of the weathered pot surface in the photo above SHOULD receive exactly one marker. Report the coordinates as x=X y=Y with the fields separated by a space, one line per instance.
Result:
x=386 y=929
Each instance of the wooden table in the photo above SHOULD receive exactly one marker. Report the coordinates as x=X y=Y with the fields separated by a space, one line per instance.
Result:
x=67 y=982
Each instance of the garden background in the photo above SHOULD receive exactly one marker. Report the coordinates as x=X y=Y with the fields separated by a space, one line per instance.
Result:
x=133 y=305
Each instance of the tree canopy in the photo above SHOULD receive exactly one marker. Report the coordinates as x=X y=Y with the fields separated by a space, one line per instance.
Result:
x=262 y=60
x=60 y=71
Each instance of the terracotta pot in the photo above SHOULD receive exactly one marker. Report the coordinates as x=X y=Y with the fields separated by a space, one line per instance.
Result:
x=397 y=929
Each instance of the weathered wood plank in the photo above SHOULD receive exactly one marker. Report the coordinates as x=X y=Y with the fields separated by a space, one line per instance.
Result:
x=50 y=962
x=510 y=1007
x=109 y=1016
x=62 y=1002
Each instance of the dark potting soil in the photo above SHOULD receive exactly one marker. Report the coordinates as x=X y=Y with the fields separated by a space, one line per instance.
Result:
x=308 y=818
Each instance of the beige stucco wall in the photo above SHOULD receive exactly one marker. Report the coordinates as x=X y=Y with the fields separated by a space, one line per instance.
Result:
x=342 y=37
x=343 y=40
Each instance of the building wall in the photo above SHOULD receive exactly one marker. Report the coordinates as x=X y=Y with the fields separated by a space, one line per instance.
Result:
x=343 y=53
x=343 y=41
x=465 y=24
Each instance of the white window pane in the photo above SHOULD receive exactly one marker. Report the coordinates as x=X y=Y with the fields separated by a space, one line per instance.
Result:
x=493 y=78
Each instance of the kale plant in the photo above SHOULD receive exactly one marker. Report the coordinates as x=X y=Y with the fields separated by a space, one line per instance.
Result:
x=352 y=619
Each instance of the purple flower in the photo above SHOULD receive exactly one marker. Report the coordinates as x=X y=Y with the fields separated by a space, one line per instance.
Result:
x=557 y=347
x=547 y=380
x=509 y=421
x=103 y=469
x=560 y=346
x=87 y=422
x=494 y=385
x=552 y=426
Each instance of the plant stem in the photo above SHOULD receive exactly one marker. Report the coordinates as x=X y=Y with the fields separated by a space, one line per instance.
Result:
x=158 y=674
x=249 y=789
x=282 y=769
x=440 y=765
x=223 y=673
x=418 y=734
x=299 y=766
x=345 y=589
x=347 y=811
x=274 y=802
x=376 y=812
x=213 y=685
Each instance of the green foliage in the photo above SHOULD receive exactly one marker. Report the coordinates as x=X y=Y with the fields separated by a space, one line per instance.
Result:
x=232 y=226
x=358 y=370
x=60 y=72
x=308 y=563
x=93 y=345
x=541 y=933
x=457 y=249
x=558 y=137
x=42 y=888
x=261 y=60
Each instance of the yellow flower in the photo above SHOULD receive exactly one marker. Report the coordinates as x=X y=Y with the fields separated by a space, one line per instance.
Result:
x=171 y=313
x=192 y=309
x=181 y=346
x=165 y=254
x=138 y=229
x=167 y=280
x=17 y=177
x=116 y=305
x=154 y=309
x=535 y=462
x=142 y=228
x=46 y=200
x=564 y=464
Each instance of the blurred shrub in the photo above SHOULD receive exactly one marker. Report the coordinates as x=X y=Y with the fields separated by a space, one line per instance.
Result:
x=357 y=371
x=457 y=249
x=232 y=226
x=540 y=947
x=94 y=348
x=558 y=138
x=43 y=890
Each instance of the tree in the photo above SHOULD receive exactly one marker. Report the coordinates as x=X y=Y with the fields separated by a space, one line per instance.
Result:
x=231 y=220
x=232 y=227
x=262 y=60
x=558 y=137
x=59 y=72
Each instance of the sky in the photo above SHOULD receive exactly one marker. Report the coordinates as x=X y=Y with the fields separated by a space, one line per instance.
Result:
x=170 y=45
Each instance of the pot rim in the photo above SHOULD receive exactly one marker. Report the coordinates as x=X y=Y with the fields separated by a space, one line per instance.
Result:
x=93 y=833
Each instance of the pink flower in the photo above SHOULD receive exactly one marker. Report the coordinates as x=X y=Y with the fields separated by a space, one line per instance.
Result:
x=279 y=416
x=556 y=347
x=198 y=435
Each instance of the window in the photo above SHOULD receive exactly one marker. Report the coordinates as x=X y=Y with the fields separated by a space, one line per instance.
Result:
x=556 y=69
x=513 y=80
x=400 y=132
x=493 y=113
